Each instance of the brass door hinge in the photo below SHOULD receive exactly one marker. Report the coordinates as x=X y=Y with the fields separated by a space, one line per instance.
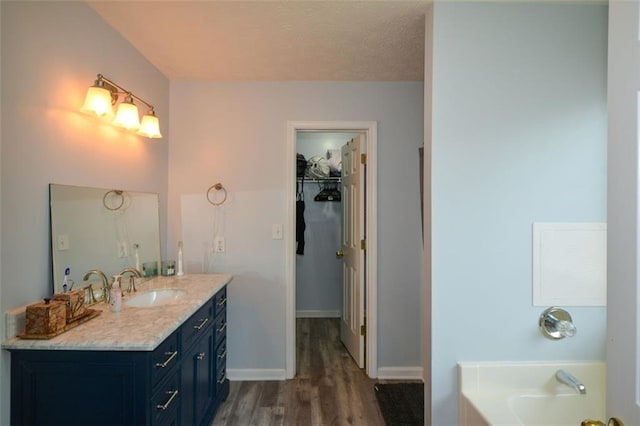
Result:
x=363 y=158
x=363 y=330
x=363 y=244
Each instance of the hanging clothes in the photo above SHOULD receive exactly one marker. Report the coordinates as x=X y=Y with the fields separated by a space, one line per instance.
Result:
x=300 y=225
x=329 y=192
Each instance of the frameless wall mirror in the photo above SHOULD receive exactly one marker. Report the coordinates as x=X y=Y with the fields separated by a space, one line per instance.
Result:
x=105 y=229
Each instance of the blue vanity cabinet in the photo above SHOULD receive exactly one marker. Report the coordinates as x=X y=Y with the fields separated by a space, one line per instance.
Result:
x=68 y=387
x=181 y=382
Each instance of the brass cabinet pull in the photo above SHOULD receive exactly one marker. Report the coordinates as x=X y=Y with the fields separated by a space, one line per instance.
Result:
x=166 y=405
x=223 y=354
x=222 y=302
x=203 y=321
x=223 y=378
x=221 y=329
x=201 y=356
x=164 y=364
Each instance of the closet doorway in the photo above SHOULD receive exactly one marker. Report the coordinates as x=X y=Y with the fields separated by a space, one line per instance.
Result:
x=316 y=282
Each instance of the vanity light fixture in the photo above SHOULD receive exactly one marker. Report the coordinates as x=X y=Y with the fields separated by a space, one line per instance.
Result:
x=105 y=94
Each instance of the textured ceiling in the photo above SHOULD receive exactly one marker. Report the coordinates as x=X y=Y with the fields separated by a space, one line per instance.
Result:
x=275 y=40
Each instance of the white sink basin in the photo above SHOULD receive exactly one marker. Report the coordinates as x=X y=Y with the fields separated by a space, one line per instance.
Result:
x=151 y=299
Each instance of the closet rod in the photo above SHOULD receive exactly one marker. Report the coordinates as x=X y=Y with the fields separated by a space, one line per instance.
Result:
x=312 y=180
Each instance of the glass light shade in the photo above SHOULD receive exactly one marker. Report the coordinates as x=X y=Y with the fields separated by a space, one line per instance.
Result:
x=127 y=116
x=150 y=126
x=98 y=101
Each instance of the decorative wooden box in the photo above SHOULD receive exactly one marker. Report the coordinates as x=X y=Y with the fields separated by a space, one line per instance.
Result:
x=45 y=318
x=74 y=301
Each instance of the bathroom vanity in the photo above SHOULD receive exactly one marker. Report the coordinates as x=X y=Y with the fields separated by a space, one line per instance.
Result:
x=155 y=365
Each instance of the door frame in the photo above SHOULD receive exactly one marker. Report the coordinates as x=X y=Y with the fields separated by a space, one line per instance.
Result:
x=370 y=128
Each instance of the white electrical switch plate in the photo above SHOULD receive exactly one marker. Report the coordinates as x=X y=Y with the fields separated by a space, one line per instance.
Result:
x=220 y=245
x=63 y=242
x=276 y=231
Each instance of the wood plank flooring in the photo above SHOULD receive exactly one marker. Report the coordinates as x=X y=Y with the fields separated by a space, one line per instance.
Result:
x=329 y=388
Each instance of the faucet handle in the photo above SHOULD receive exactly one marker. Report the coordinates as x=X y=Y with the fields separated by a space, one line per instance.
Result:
x=132 y=285
x=556 y=323
x=566 y=328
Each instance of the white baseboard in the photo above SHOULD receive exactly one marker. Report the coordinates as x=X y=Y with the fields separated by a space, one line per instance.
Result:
x=318 y=314
x=255 y=374
x=400 y=373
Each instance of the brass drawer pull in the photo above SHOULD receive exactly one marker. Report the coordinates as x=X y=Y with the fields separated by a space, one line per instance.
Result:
x=166 y=405
x=223 y=354
x=221 y=329
x=223 y=378
x=203 y=321
x=201 y=356
x=222 y=302
x=172 y=355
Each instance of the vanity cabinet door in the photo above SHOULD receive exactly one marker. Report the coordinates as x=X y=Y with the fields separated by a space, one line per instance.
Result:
x=197 y=380
x=78 y=388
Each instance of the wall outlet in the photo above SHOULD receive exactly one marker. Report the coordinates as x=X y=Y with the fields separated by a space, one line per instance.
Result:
x=220 y=245
x=123 y=250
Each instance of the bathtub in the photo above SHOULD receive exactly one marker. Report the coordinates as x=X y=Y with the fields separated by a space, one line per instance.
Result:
x=527 y=393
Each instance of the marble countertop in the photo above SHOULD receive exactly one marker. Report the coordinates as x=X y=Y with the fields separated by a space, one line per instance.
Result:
x=133 y=329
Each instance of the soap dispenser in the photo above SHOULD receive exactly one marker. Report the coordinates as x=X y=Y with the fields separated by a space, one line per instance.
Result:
x=116 y=294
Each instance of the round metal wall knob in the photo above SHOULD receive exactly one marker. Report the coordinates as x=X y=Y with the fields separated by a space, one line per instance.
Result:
x=339 y=253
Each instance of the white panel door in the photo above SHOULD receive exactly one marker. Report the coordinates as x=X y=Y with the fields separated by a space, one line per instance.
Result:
x=353 y=226
x=623 y=236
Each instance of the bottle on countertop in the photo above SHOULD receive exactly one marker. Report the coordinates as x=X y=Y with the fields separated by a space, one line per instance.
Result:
x=180 y=270
x=116 y=294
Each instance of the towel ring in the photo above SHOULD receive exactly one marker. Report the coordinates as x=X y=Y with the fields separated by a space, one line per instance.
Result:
x=116 y=192
x=218 y=187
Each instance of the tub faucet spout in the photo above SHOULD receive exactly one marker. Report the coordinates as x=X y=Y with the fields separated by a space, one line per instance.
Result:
x=570 y=380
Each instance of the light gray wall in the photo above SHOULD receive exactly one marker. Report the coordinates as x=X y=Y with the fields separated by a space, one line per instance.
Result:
x=51 y=53
x=519 y=136
x=318 y=271
x=235 y=133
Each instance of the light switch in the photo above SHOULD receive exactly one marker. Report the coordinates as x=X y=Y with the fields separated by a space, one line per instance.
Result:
x=63 y=242
x=276 y=231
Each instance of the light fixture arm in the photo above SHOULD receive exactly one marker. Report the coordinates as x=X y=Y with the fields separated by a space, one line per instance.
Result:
x=116 y=89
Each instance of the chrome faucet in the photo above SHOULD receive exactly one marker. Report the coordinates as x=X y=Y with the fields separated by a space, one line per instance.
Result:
x=570 y=380
x=132 y=280
x=105 y=282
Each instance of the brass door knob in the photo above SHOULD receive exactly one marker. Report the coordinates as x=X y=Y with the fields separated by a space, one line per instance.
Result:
x=339 y=253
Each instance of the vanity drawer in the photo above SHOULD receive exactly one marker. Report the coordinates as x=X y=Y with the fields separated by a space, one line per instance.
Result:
x=165 y=402
x=221 y=355
x=222 y=384
x=197 y=325
x=220 y=330
x=220 y=301
x=164 y=358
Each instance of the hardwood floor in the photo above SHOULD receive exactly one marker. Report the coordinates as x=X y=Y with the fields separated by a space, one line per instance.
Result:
x=329 y=389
